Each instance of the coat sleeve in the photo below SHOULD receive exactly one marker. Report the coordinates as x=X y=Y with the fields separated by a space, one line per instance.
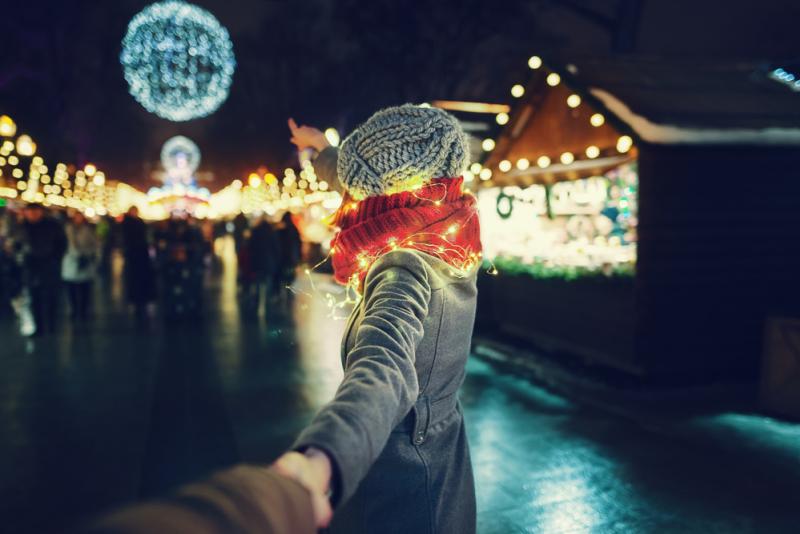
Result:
x=380 y=382
x=325 y=166
x=243 y=499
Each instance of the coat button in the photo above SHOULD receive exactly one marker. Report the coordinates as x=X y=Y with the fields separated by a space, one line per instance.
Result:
x=419 y=438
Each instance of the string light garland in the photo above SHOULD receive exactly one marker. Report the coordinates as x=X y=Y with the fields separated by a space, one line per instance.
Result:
x=624 y=143
x=178 y=60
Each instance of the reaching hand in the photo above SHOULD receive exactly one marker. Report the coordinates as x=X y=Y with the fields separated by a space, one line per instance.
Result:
x=311 y=470
x=307 y=136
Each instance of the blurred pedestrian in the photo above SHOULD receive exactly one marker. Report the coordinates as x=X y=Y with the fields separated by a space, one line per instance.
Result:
x=240 y=225
x=105 y=235
x=42 y=245
x=140 y=284
x=181 y=268
x=290 y=254
x=79 y=267
x=264 y=252
x=391 y=445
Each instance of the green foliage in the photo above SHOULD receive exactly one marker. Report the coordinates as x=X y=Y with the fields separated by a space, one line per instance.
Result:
x=539 y=270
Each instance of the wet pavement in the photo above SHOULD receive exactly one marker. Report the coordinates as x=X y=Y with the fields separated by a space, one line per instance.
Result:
x=96 y=417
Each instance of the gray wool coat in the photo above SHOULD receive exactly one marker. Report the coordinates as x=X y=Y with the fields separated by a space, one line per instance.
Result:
x=395 y=430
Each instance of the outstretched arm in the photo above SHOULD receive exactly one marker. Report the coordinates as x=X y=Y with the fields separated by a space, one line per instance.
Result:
x=380 y=384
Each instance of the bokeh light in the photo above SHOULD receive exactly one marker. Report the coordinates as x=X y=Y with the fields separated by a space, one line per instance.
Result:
x=178 y=60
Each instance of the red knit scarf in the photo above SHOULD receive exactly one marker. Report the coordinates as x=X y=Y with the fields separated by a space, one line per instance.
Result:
x=437 y=218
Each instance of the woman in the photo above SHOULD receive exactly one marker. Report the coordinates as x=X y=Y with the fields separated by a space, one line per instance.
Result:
x=391 y=446
x=79 y=266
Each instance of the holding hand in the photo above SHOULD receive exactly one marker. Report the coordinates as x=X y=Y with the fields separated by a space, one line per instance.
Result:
x=307 y=137
x=311 y=470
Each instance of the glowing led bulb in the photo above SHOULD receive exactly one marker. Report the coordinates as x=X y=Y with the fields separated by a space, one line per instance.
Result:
x=501 y=118
x=504 y=165
x=332 y=135
x=534 y=62
x=523 y=164
x=486 y=174
x=543 y=162
x=567 y=158
x=624 y=143
x=517 y=91
x=573 y=100
x=592 y=151
x=7 y=126
x=25 y=146
x=597 y=120
x=553 y=79
x=487 y=145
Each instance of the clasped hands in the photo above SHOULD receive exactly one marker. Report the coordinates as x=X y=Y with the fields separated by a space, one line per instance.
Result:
x=312 y=470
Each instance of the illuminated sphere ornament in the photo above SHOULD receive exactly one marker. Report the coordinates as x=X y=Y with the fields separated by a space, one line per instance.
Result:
x=180 y=158
x=178 y=60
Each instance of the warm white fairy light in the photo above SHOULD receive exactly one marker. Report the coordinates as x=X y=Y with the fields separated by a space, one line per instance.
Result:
x=567 y=158
x=8 y=127
x=332 y=135
x=543 y=162
x=573 y=100
x=25 y=145
x=553 y=79
x=534 y=62
x=523 y=164
x=592 y=151
x=488 y=145
x=501 y=118
x=597 y=120
x=517 y=91
x=624 y=144
x=504 y=165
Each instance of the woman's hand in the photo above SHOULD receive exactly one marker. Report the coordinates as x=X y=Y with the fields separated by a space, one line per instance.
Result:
x=307 y=136
x=311 y=470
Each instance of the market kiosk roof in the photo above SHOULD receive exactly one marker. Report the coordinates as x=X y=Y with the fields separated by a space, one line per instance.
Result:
x=555 y=134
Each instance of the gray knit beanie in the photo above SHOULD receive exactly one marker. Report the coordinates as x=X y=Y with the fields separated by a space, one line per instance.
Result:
x=400 y=147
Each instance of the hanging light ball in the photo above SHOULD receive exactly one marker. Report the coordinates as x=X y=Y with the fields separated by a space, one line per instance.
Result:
x=178 y=60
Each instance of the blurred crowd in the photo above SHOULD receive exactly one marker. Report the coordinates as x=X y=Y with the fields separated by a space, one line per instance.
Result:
x=48 y=254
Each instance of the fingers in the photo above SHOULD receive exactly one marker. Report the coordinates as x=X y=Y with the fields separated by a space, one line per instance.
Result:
x=321 y=506
x=292 y=125
x=297 y=467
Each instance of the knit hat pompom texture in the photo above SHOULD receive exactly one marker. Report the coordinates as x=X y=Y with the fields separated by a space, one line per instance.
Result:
x=399 y=148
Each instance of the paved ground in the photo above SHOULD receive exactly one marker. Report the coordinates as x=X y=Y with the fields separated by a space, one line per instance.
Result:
x=93 y=418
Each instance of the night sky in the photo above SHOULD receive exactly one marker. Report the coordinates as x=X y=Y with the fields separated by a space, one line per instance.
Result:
x=325 y=63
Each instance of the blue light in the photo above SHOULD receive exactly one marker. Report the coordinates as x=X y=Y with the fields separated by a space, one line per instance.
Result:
x=178 y=60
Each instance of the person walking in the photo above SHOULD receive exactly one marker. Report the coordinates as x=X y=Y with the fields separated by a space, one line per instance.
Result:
x=289 y=245
x=391 y=446
x=43 y=244
x=140 y=282
x=79 y=266
x=264 y=252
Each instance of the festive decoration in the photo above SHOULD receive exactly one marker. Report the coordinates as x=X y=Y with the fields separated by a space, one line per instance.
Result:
x=178 y=60
x=180 y=158
x=437 y=218
x=790 y=79
x=573 y=101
